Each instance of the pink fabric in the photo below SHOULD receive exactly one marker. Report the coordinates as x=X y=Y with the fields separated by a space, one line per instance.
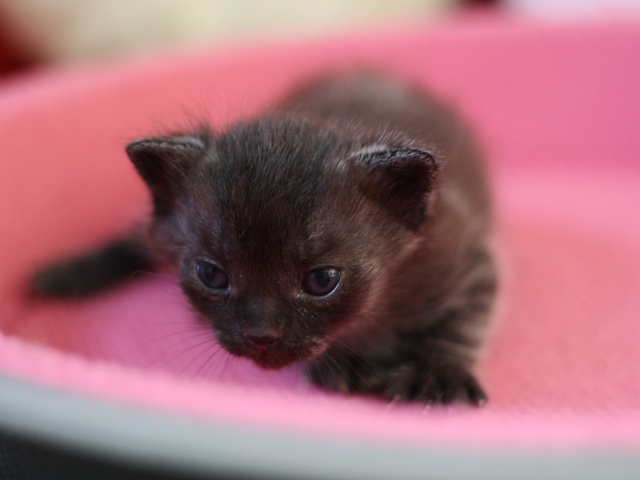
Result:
x=557 y=110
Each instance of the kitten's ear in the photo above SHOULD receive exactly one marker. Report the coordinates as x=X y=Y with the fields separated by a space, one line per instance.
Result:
x=163 y=163
x=400 y=179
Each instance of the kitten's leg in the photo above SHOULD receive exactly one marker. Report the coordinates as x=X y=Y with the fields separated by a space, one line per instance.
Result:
x=93 y=272
x=438 y=358
x=429 y=363
x=436 y=372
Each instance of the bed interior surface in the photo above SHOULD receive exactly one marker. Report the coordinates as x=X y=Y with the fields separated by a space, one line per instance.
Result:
x=556 y=111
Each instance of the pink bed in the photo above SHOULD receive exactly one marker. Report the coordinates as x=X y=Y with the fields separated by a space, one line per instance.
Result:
x=557 y=111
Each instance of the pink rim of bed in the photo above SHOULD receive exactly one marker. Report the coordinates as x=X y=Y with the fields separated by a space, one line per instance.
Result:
x=557 y=110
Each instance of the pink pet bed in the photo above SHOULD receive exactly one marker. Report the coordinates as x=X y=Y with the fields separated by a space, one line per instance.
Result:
x=130 y=378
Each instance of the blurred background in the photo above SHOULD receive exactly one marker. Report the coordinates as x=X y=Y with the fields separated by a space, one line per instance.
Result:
x=35 y=32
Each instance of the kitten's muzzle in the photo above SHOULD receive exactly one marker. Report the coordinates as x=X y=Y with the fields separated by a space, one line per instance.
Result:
x=260 y=342
x=259 y=324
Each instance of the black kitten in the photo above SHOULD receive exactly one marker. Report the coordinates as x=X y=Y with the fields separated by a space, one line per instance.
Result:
x=346 y=228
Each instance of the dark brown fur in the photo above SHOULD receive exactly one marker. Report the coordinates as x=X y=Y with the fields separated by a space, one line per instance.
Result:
x=359 y=173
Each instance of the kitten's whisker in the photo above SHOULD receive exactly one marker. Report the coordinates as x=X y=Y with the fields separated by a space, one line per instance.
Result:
x=182 y=341
x=366 y=364
x=226 y=366
x=210 y=371
x=221 y=365
x=337 y=364
x=196 y=357
x=301 y=384
x=206 y=362
x=180 y=324
x=183 y=352
x=320 y=370
x=329 y=367
x=173 y=334
x=363 y=361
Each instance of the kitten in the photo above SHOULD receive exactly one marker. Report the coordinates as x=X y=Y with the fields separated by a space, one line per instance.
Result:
x=345 y=228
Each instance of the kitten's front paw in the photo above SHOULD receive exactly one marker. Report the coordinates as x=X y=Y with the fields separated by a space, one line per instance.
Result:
x=348 y=374
x=443 y=385
x=430 y=383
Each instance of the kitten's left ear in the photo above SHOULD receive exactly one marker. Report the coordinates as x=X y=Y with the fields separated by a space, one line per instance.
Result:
x=164 y=163
x=400 y=179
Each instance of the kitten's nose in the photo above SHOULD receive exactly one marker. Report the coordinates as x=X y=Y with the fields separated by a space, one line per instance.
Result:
x=261 y=342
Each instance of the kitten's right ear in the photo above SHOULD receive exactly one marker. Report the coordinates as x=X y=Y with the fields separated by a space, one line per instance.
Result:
x=400 y=179
x=163 y=163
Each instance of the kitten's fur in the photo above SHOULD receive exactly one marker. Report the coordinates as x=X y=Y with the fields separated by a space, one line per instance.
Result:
x=359 y=173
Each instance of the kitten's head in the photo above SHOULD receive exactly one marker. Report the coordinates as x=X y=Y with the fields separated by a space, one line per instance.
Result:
x=284 y=233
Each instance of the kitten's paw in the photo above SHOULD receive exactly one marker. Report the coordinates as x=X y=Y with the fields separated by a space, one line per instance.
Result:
x=431 y=383
x=443 y=385
x=348 y=374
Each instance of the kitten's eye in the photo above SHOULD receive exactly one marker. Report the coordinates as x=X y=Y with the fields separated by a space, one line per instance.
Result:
x=321 y=282
x=212 y=276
